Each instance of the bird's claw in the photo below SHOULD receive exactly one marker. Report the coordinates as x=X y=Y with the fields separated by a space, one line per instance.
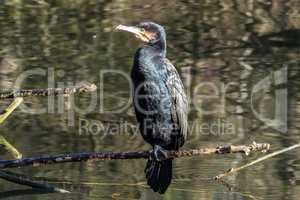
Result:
x=159 y=154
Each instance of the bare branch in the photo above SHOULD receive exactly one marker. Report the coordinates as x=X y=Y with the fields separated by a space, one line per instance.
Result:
x=79 y=157
x=234 y=170
x=79 y=88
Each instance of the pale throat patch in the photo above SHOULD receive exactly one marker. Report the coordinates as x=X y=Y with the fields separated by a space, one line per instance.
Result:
x=147 y=36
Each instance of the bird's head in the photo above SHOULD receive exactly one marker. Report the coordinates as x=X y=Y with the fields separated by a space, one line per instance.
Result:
x=148 y=32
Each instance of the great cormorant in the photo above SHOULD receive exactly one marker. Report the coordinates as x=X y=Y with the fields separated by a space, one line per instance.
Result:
x=159 y=100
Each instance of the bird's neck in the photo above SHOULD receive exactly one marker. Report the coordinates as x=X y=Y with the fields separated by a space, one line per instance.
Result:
x=160 y=47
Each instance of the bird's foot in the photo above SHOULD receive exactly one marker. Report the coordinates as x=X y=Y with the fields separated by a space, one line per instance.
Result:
x=159 y=154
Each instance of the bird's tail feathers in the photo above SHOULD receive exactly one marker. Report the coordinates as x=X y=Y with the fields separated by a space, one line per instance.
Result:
x=159 y=174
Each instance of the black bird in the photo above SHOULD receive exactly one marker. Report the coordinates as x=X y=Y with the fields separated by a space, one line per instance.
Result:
x=159 y=100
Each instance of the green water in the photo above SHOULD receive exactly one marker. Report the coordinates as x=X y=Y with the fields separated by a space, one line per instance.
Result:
x=239 y=61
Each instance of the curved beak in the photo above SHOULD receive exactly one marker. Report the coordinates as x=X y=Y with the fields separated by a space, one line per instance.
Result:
x=135 y=30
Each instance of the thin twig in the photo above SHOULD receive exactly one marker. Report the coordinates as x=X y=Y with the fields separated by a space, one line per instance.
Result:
x=233 y=170
x=78 y=157
x=10 y=109
x=3 y=142
x=9 y=148
x=79 y=88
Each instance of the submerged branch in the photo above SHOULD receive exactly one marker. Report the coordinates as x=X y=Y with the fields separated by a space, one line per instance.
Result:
x=79 y=88
x=24 y=180
x=79 y=157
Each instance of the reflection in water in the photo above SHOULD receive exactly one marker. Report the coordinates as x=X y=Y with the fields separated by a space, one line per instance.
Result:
x=223 y=48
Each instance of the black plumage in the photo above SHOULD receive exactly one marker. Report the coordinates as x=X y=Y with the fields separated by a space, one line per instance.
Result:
x=159 y=100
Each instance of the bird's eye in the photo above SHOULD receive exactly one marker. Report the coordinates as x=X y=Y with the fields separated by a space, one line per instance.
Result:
x=143 y=30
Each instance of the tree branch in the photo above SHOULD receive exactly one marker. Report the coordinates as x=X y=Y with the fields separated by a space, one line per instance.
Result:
x=79 y=88
x=79 y=157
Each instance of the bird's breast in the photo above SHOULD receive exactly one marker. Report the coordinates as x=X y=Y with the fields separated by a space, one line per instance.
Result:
x=148 y=67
